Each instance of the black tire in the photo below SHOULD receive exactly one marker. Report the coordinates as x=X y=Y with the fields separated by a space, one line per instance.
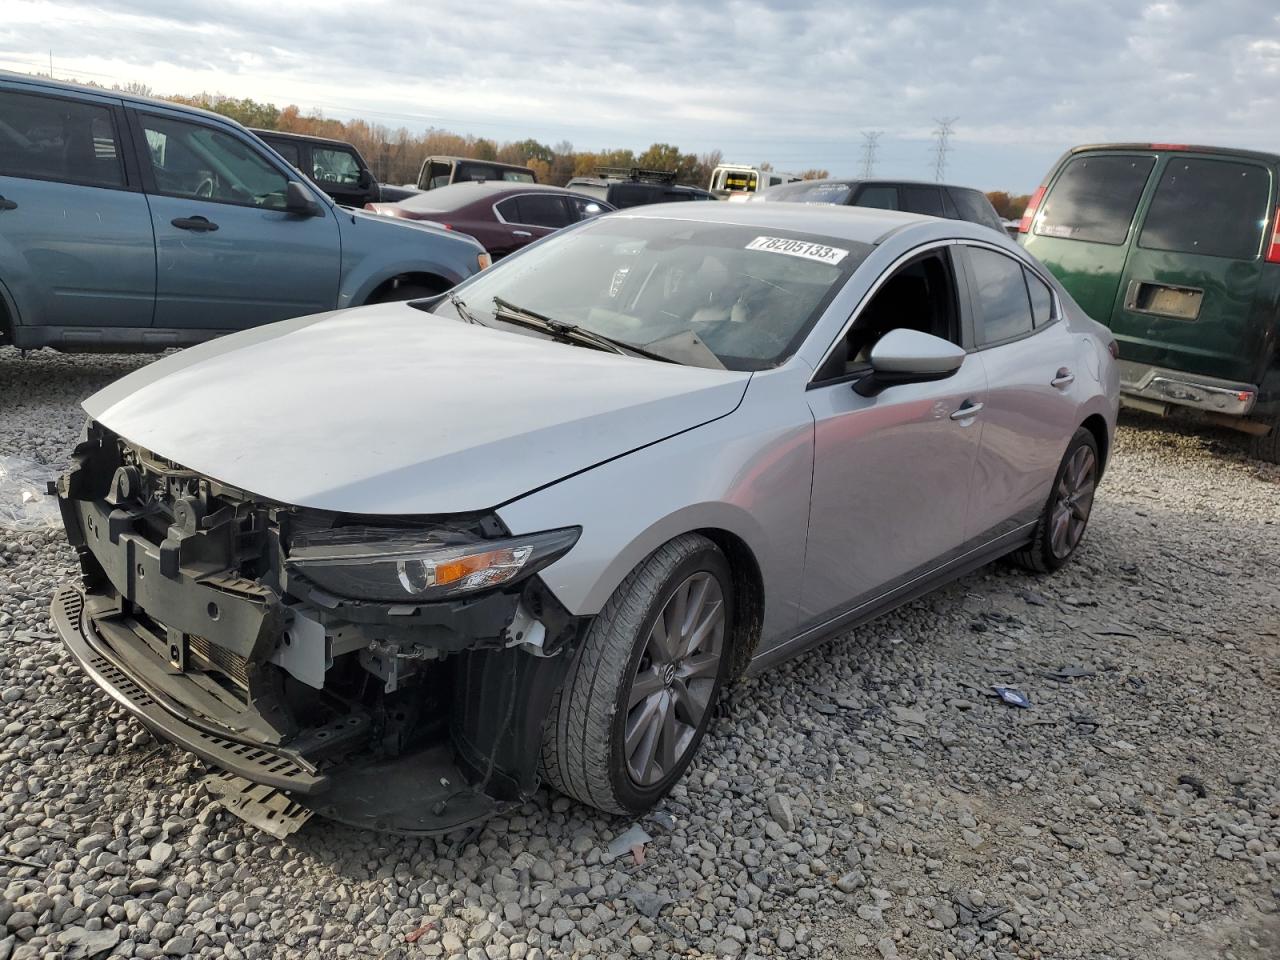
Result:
x=584 y=745
x=404 y=291
x=1046 y=552
x=1267 y=446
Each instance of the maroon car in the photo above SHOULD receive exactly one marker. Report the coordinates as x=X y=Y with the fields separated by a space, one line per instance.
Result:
x=502 y=216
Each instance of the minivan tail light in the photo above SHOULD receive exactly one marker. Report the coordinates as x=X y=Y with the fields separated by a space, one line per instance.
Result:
x=1029 y=214
x=1273 y=251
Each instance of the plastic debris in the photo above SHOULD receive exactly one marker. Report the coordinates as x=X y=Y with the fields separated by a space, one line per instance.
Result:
x=649 y=902
x=626 y=842
x=1011 y=696
x=24 y=500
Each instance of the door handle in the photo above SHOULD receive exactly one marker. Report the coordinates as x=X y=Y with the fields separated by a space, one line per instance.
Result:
x=1064 y=379
x=521 y=233
x=7 y=204
x=967 y=410
x=197 y=223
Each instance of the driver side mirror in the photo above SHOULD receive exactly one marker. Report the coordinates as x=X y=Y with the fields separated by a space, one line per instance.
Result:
x=909 y=356
x=298 y=200
x=365 y=180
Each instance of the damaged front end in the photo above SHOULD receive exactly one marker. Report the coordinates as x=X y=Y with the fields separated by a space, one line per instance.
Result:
x=390 y=673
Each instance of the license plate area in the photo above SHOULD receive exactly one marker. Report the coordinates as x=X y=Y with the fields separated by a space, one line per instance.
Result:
x=1164 y=300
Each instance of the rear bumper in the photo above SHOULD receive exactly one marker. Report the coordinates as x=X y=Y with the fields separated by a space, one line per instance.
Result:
x=1162 y=386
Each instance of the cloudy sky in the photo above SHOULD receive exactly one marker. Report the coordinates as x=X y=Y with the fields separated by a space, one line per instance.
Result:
x=792 y=83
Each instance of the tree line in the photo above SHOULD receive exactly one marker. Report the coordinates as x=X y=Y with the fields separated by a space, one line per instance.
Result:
x=396 y=155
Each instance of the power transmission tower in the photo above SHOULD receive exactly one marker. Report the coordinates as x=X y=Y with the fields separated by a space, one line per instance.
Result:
x=870 y=144
x=942 y=145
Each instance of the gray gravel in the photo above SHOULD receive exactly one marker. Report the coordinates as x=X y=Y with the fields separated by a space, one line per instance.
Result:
x=869 y=800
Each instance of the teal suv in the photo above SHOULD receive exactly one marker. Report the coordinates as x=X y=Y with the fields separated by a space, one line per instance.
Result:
x=134 y=224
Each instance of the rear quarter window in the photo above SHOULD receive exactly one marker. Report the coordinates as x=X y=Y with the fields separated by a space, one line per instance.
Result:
x=1094 y=198
x=1216 y=208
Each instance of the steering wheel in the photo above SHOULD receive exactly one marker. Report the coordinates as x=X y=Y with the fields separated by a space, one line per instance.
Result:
x=205 y=188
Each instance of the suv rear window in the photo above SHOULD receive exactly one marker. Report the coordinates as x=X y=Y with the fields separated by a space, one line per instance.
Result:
x=1212 y=207
x=1094 y=198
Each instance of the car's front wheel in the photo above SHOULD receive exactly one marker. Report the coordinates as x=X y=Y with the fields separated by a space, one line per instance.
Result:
x=632 y=711
x=1066 y=515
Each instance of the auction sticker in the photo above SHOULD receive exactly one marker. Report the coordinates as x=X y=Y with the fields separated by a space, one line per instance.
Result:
x=799 y=248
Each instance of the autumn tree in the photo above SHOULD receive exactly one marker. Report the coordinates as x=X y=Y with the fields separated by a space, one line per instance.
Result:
x=1008 y=206
x=815 y=174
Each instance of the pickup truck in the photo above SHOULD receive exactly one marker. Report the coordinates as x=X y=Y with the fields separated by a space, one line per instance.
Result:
x=442 y=171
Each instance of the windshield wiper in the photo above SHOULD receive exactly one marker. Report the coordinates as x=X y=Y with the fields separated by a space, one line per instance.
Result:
x=464 y=311
x=512 y=313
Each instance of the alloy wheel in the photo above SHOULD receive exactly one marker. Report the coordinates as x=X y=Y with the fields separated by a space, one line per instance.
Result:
x=675 y=679
x=1072 y=502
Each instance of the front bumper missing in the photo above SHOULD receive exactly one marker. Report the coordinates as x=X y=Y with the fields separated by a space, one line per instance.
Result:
x=422 y=792
x=1160 y=386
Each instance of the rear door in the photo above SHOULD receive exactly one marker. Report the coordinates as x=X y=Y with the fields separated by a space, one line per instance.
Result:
x=1082 y=228
x=228 y=255
x=530 y=216
x=1185 y=299
x=76 y=247
x=1030 y=360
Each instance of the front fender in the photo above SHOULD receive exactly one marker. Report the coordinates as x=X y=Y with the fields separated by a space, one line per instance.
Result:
x=748 y=474
x=374 y=250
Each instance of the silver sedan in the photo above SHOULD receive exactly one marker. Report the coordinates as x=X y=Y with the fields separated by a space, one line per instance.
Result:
x=400 y=564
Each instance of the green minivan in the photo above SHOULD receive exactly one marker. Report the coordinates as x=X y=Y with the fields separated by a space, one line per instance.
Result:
x=1176 y=249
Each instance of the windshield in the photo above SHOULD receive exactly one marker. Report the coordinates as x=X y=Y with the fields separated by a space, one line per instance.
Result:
x=810 y=191
x=747 y=294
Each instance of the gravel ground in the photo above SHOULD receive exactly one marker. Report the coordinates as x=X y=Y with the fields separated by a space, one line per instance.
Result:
x=871 y=799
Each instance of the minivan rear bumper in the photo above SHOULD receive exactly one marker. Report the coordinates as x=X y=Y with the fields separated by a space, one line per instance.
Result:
x=1159 y=385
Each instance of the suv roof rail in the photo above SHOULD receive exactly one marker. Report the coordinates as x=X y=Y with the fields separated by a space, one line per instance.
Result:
x=639 y=174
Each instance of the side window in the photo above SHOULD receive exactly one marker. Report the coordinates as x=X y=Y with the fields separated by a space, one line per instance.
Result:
x=439 y=174
x=1094 y=198
x=920 y=295
x=585 y=209
x=1041 y=300
x=543 y=210
x=47 y=138
x=508 y=209
x=975 y=208
x=287 y=149
x=1212 y=207
x=879 y=197
x=191 y=160
x=926 y=200
x=1004 y=308
x=335 y=165
x=517 y=176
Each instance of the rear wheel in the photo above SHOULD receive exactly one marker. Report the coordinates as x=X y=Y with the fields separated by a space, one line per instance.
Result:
x=1267 y=446
x=1066 y=515
x=638 y=698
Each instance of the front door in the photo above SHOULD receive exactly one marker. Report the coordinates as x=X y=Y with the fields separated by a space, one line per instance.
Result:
x=228 y=255
x=891 y=472
x=76 y=247
x=1185 y=300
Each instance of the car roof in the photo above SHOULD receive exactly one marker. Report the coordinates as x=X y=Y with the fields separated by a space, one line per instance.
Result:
x=856 y=224
x=455 y=196
x=65 y=86
x=492 y=163
x=878 y=181
x=287 y=135
x=1177 y=148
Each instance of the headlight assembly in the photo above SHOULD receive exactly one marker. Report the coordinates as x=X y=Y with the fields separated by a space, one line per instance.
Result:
x=401 y=566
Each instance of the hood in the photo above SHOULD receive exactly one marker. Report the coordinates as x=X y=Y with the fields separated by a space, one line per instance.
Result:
x=392 y=410
x=368 y=220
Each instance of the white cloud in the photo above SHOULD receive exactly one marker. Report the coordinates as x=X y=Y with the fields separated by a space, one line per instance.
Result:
x=793 y=83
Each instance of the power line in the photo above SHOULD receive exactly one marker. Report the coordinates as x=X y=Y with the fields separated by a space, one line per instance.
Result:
x=942 y=145
x=870 y=144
